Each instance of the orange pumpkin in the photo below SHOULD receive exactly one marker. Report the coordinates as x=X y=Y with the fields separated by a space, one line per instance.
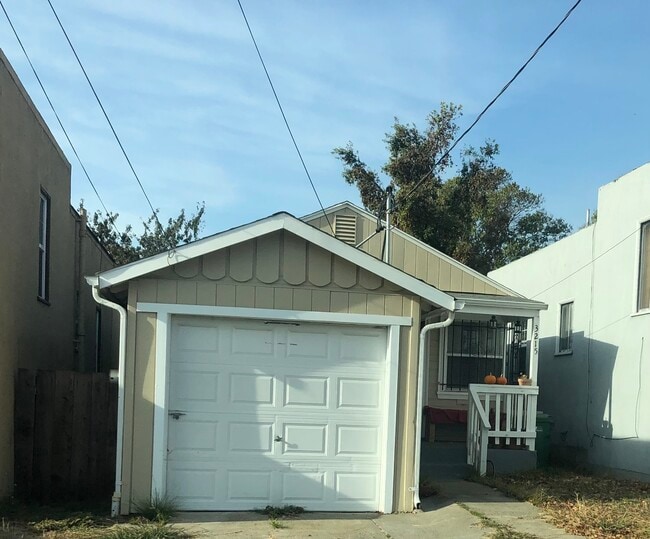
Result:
x=502 y=380
x=490 y=379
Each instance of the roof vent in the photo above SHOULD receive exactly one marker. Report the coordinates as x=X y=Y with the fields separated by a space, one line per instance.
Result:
x=345 y=228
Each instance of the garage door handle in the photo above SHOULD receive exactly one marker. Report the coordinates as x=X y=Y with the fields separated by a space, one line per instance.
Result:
x=278 y=439
x=176 y=414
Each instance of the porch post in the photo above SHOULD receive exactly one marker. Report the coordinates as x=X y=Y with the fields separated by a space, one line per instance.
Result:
x=534 y=349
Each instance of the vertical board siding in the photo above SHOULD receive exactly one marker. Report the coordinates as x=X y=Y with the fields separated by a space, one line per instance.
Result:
x=64 y=445
x=244 y=296
x=144 y=408
x=206 y=293
x=187 y=293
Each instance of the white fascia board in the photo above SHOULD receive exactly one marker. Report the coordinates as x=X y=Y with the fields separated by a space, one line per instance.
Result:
x=502 y=307
x=419 y=243
x=266 y=226
x=192 y=250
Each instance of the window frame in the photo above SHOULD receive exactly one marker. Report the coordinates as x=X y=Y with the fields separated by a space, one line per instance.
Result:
x=558 y=350
x=443 y=362
x=639 y=267
x=43 y=286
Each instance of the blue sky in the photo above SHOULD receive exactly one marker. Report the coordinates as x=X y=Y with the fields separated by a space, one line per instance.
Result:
x=188 y=96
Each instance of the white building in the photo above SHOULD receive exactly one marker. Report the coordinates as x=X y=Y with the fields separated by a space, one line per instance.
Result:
x=594 y=369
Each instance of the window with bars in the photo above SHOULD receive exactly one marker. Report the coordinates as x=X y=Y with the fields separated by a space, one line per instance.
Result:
x=643 y=296
x=471 y=349
x=43 y=246
x=565 y=332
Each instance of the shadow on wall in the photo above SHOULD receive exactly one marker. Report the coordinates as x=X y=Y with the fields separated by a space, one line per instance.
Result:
x=594 y=424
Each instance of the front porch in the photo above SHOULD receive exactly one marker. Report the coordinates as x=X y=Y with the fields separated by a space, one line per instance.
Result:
x=468 y=424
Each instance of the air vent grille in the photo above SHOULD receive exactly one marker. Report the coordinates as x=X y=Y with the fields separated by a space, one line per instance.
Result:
x=345 y=228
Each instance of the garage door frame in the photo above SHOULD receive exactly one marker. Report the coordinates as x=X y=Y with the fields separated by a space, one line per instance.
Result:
x=164 y=313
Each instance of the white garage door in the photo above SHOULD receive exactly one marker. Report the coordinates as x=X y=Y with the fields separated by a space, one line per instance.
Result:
x=276 y=413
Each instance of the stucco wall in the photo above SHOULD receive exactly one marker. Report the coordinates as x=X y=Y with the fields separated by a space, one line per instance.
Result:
x=597 y=392
x=277 y=271
x=35 y=334
x=412 y=257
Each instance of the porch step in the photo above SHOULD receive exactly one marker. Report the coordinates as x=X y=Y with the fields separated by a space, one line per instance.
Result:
x=444 y=461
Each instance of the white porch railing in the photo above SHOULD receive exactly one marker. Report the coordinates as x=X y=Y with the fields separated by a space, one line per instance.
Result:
x=501 y=415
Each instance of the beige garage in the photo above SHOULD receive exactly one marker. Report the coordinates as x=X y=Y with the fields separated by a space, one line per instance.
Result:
x=270 y=331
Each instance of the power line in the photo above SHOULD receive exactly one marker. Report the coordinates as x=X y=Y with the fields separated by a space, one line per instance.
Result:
x=284 y=117
x=101 y=106
x=58 y=119
x=494 y=100
x=587 y=264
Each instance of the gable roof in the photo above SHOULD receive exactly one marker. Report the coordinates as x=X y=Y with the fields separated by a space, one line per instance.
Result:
x=418 y=243
x=273 y=223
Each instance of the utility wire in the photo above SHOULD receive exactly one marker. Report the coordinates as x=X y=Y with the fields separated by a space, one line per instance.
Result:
x=101 y=106
x=284 y=117
x=489 y=105
x=58 y=119
x=587 y=264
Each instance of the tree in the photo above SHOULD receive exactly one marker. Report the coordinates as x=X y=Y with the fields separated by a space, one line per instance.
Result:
x=127 y=246
x=480 y=216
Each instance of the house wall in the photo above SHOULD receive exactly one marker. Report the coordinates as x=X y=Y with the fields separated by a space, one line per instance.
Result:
x=276 y=271
x=414 y=257
x=597 y=394
x=33 y=334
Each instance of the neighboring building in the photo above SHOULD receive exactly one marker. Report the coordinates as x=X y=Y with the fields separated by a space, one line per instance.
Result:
x=594 y=361
x=273 y=364
x=48 y=319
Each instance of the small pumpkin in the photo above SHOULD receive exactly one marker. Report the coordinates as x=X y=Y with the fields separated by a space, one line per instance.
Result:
x=490 y=379
x=502 y=380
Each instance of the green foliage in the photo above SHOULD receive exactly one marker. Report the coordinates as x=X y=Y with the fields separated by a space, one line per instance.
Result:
x=480 y=216
x=157 y=509
x=127 y=246
x=146 y=530
x=286 y=511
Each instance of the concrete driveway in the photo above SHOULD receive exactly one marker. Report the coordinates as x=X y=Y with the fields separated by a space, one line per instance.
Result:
x=462 y=509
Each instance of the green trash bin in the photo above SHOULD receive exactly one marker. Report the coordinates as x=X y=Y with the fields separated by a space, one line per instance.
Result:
x=543 y=442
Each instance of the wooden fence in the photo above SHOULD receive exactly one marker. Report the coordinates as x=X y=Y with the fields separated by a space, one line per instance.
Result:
x=64 y=435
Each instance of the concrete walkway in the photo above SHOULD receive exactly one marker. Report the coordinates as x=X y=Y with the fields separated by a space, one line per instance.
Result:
x=456 y=512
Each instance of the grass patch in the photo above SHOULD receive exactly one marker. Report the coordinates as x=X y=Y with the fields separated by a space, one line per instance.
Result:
x=146 y=530
x=276 y=524
x=581 y=503
x=157 y=509
x=285 y=511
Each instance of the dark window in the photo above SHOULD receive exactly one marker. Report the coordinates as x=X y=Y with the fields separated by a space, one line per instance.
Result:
x=566 y=328
x=44 y=246
x=643 y=298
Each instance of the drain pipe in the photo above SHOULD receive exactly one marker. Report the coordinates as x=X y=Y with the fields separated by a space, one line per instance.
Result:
x=420 y=396
x=117 y=495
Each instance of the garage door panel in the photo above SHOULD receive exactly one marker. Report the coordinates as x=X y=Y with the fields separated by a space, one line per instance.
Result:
x=300 y=487
x=356 y=486
x=304 y=439
x=356 y=393
x=251 y=389
x=250 y=437
x=194 y=439
x=313 y=386
x=252 y=342
x=195 y=390
x=306 y=391
x=249 y=485
x=357 y=441
x=191 y=338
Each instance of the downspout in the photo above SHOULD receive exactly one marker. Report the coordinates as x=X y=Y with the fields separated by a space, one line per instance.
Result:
x=117 y=495
x=420 y=394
